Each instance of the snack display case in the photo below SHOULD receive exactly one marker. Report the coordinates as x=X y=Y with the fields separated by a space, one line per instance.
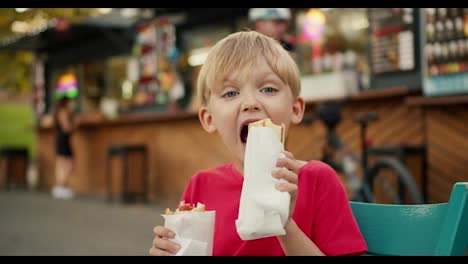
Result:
x=446 y=51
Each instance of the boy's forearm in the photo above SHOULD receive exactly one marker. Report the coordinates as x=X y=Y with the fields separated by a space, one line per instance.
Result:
x=296 y=243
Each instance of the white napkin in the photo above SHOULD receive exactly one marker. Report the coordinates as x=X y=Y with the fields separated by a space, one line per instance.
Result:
x=194 y=232
x=263 y=210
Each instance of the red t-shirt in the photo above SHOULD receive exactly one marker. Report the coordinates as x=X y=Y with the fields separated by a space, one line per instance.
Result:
x=322 y=211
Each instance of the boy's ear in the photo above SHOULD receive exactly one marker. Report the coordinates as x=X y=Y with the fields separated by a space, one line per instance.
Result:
x=298 y=110
x=206 y=120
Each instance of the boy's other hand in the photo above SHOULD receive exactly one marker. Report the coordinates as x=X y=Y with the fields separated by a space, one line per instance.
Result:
x=290 y=162
x=289 y=169
x=162 y=246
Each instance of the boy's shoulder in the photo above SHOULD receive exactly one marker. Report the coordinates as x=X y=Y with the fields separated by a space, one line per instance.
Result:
x=317 y=166
x=318 y=170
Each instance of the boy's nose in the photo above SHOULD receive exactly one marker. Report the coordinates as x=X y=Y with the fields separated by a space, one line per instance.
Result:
x=250 y=105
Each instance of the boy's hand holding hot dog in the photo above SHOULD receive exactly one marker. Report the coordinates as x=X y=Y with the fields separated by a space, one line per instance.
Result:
x=187 y=231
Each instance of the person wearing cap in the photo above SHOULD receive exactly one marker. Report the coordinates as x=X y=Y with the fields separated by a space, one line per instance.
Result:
x=272 y=22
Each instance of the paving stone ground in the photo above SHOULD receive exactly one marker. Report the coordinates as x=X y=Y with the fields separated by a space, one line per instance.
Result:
x=33 y=223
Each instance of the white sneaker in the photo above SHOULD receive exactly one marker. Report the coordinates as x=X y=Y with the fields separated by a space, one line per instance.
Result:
x=67 y=193
x=60 y=192
x=55 y=191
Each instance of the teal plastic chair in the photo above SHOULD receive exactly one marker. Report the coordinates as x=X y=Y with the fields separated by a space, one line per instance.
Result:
x=422 y=229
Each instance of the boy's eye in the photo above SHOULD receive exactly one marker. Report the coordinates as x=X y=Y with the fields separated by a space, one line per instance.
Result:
x=230 y=94
x=268 y=90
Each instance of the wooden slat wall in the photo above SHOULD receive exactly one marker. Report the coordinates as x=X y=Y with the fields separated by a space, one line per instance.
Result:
x=447 y=138
x=397 y=124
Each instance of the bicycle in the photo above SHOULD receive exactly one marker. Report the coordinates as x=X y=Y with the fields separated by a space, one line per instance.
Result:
x=345 y=161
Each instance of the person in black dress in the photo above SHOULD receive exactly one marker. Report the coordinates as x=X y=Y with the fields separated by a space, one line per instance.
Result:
x=64 y=151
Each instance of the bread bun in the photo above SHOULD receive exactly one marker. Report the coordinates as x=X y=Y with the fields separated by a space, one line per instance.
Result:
x=279 y=130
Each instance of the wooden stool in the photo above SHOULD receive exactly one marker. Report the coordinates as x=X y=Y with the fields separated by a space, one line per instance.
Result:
x=14 y=163
x=123 y=151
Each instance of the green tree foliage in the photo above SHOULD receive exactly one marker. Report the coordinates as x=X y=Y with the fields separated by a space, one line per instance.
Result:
x=16 y=66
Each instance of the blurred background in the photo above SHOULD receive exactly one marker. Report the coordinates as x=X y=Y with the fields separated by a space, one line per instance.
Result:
x=137 y=134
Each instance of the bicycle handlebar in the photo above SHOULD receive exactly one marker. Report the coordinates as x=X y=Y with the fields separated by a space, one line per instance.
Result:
x=366 y=117
x=309 y=118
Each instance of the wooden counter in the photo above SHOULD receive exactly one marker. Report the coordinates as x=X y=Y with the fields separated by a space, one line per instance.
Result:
x=179 y=147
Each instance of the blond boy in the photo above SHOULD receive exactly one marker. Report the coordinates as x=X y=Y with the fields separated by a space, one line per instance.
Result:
x=247 y=77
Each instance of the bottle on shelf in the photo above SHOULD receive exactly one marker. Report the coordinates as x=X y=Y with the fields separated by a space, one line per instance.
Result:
x=459 y=27
x=449 y=29
x=453 y=12
x=430 y=32
x=439 y=31
x=465 y=20
x=441 y=13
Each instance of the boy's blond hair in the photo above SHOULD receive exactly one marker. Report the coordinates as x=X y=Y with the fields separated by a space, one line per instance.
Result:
x=239 y=51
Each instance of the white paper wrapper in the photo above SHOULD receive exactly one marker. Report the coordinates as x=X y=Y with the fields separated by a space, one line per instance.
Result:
x=194 y=232
x=263 y=210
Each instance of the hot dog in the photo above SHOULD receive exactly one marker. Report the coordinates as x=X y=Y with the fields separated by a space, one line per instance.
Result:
x=186 y=207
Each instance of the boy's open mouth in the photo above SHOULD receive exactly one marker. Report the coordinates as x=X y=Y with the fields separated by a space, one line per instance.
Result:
x=244 y=132
x=244 y=129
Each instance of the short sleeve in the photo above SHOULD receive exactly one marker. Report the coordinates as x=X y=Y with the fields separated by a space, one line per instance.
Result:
x=188 y=196
x=334 y=228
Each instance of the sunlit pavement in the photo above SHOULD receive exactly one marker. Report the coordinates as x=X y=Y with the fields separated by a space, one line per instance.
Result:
x=33 y=223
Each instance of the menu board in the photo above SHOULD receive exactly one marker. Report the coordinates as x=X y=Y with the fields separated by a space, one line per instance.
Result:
x=392 y=39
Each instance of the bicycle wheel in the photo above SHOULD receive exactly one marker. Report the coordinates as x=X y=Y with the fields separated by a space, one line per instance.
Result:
x=405 y=182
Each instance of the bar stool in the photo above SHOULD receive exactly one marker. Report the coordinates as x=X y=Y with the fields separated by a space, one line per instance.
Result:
x=14 y=161
x=122 y=151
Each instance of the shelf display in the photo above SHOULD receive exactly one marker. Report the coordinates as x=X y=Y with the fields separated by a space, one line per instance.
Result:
x=328 y=42
x=158 y=82
x=330 y=49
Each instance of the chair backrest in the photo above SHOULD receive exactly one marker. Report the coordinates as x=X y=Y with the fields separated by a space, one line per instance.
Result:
x=420 y=229
x=454 y=234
